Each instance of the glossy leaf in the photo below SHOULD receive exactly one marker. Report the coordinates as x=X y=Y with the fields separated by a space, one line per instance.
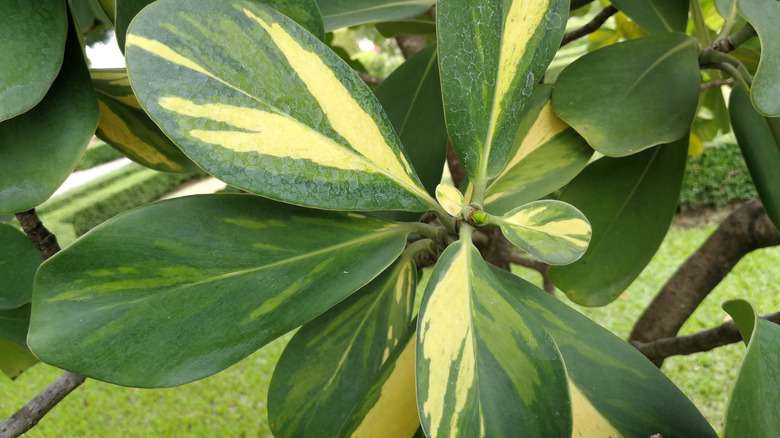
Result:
x=491 y=55
x=125 y=11
x=18 y=261
x=760 y=149
x=332 y=362
x=451 y=199
x=754 y=401
x=288 y=119
x=764 y=15
x=485 y=367
x=657 y=16
x=631 y=95
x=546 y=154
x=126 y=127
x=345 y=13
x=630 y=203
x=195 y=284
x=615 y=391
x=31 y=52
x=551 y=231
x=40 y=148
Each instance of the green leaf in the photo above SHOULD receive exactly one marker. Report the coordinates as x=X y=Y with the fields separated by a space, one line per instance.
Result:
x=391 y=29
x=724 y=7
x=759 y=148
x=764 y=15
x=127 y=128
x=551 y=231
x=450 y=199
x=546 y=154
x=18 y=261
x=657 y=16
x=40 y=148
x=288 y=119
x=195 y=284
x=31 y=52
x=631 y=95
x=485 y=367
x=491 y=56
x=332 y=362
x=345 y=13
x=754 y=401
x=14 y=324
x=615 y=391
x=14 y=360
x=630 y=203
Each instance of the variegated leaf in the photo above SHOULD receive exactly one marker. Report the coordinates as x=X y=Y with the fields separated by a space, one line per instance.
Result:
x=546 y=154
x=450 y=198
x=126 y=127
x=195 y=284
x=485 y=367
x=265 y=106
x=764 y=16
x=491 y=56
x=552 y=231
x=332 y=362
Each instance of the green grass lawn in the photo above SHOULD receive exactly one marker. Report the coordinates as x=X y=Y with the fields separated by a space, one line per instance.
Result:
x=232 y=403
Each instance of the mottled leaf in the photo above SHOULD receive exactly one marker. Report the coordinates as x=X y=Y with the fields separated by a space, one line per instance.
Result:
x=631 y=95
x=263 y=105
x=764 y=15
x=126 y=127
x=485 y=367
x=491 y=56
x=344 y=13
x=18 y=261
x=551 y=231
x=31 y=51
x=193 y=285
x=546 y=154
x=39 y=149
x=450 y=198
x=332 y=362
x=657 y=16
x=630 y=203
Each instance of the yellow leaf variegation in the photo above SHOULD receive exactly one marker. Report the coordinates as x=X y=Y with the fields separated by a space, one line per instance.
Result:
x=262 y=104
x=450 y=198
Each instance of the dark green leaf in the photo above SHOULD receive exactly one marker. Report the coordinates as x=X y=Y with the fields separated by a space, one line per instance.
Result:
x=390 y=29
x=18 y=261
x=630 y=203
x=40 y=148
x=193 y=285
x=345 y=13
x=764 y=15
x=657 y=16
x=755 y=400
x=632 y=95
x=31 y=52
x=126 y=10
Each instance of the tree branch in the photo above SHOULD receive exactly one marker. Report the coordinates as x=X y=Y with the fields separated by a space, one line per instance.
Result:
x=746 y=229
x=706 y=340
x=457 y=171
x=592 y=26
x=410 y=44
x=43 y=240
x=734 y=40
x=715 y=83
x=370 y=79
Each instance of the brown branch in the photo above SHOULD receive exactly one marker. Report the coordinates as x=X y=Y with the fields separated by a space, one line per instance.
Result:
x=537 y=266
x=734 y=40
x=592 y=26
x=411 y=44
x=706 y=340
x=457 y=171
x=370 y=79
x=716 y=83
x=27 y=417
x=746 y=229
x=43 y=240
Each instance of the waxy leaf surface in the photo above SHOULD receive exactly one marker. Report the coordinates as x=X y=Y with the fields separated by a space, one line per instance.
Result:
x=631 y=95
x=195 y=284
x=755 y=399
x=31 y=51
x=657 y=16
x=551 y=231
x=546 y=154
x=764 y=15
x=263 y=105
x=18 y=261
x=39 y=149
x=126 y=127
x=615 y=391
x=332 y=362
x=491 y=56
x=630 y=203
x=485 y=367
x=344 y=13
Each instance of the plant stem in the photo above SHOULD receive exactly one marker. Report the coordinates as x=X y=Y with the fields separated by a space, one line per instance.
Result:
x=592 y=26
x=698 y=23
x=43 y=240
x=733 y=41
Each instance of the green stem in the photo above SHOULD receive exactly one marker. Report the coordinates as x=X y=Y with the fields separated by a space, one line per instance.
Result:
x=419 y=246
x=741 y=76
x=711 y=56
x=430 y=231
x=698 y=23
x=466 y=231
x=445 y=219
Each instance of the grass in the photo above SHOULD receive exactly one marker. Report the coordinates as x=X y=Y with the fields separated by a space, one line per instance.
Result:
x=232 y=403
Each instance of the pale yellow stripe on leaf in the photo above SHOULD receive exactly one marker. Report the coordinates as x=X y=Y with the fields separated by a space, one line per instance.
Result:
x=446 y=331
x=108 y=75
x=588 y=422
x=116 y=130
x=395 y=412
x=341 y=109
x=571 y=229
x=165 y=52
x=272 y=134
